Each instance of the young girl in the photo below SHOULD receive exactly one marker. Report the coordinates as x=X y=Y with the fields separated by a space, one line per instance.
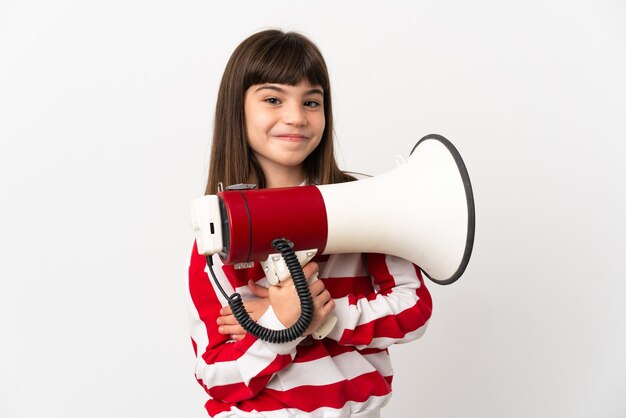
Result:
x=273 y=128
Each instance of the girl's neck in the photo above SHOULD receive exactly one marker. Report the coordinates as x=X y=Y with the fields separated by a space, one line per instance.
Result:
x=281 y=177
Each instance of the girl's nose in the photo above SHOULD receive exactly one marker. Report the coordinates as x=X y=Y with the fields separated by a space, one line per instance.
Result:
x=294 y=115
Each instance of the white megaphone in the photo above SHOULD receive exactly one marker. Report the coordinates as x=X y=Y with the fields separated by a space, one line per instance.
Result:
x=422 y=211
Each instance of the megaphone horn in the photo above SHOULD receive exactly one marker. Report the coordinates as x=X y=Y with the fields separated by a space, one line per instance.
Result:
x=422 y=211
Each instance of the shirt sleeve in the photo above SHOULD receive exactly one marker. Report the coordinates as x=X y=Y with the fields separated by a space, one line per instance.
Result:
x=396 y=312
x=230 y=371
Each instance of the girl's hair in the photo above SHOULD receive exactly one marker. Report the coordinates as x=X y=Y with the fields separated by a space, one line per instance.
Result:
x=270 y=56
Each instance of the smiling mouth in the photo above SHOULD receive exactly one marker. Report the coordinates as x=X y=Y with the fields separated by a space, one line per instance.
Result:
x=292 y=137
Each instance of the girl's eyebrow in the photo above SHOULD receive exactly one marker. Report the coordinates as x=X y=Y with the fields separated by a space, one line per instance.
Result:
x=278 y=89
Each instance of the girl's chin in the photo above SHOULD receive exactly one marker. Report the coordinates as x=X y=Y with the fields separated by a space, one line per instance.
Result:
x=288 y=164
x=281 y=162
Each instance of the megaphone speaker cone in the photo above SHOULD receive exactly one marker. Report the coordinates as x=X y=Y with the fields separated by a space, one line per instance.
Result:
x=422 y=211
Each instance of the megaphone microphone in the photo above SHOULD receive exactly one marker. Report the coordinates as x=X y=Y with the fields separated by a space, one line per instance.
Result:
x=422 y=211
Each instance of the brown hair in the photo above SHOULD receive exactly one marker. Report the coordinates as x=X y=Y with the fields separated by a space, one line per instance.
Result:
x=270 y=56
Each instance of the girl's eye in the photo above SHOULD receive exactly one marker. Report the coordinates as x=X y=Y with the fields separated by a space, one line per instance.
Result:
x=272 y=100
x=311 y=103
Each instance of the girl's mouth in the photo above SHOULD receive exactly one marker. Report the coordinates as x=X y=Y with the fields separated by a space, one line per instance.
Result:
x=292 y=137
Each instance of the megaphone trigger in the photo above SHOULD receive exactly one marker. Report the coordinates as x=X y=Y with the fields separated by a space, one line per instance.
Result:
x=276 y=270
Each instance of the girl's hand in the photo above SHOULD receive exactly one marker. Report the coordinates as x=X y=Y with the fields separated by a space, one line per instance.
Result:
x=227 y=323
x=286 y=304
x=323 y=305
x=284 y=297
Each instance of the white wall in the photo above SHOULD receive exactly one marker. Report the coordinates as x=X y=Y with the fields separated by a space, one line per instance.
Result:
x=105 y=119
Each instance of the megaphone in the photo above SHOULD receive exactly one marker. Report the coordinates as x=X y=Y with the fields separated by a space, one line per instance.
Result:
x=422 y=211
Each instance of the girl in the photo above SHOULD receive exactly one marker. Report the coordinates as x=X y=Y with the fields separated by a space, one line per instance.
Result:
x=273 y=127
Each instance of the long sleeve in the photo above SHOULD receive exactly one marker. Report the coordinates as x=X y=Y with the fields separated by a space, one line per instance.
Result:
x=230 y=371
x=396 y=311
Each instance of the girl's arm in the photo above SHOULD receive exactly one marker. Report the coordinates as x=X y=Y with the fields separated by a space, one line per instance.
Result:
x=230 y=371
x=397 y=312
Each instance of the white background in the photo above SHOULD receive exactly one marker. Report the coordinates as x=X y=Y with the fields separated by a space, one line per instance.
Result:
x=105 y=121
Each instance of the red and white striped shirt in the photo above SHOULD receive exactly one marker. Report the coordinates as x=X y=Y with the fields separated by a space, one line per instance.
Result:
x=380 y=300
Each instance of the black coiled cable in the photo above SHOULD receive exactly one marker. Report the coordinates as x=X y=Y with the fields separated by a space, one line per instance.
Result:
x=284 y=247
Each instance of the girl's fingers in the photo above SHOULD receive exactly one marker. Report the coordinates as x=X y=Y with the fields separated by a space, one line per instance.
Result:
x=325 y=296
x=322 y=299
x=230 y=329
x=227 y=320
x=317 y=288
x=327 y=307
x=258 y=290
x=310 y=269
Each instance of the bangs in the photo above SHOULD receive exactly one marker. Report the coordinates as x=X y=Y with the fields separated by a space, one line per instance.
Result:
x=287 y=60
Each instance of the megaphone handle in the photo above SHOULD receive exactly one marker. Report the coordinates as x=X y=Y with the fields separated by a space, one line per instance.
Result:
x=327 y=326
x=276 y=271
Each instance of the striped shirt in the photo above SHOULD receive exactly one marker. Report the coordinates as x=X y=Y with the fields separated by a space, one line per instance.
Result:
x=379 y=300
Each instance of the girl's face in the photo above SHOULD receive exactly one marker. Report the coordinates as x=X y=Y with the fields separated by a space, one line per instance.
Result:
x=284 y=125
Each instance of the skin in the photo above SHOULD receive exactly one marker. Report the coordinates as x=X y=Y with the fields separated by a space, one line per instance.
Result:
x=284 y=125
